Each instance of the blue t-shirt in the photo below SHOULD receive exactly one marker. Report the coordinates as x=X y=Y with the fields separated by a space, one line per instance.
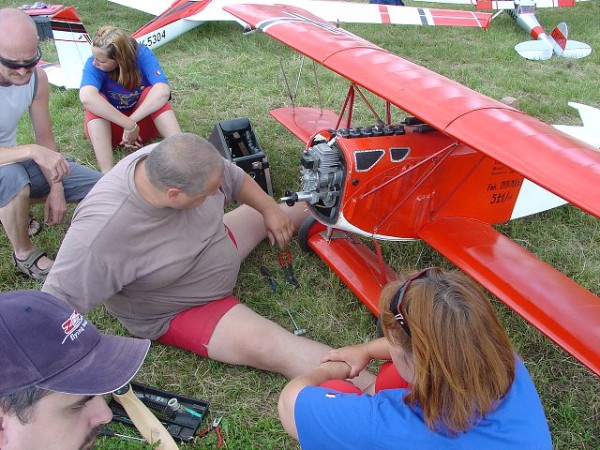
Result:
x=117 y=95
x=331 y=420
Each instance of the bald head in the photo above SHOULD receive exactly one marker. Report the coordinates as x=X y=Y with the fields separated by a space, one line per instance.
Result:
x=184 y=161
x=20 y=39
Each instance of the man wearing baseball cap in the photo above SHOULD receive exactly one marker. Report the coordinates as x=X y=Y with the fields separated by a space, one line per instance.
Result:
x=54 y=368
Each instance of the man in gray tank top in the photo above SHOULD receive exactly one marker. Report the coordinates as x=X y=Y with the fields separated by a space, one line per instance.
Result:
x=30 y=172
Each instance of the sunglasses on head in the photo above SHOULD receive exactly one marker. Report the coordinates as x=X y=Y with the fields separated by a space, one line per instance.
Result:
x=397 y=300
x=15 y=65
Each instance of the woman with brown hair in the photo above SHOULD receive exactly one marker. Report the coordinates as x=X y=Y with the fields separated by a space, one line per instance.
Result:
x=454 y=380
x=125 y=94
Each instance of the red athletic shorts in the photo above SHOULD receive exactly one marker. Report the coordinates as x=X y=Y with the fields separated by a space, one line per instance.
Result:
x=192 y=329
x=148 y=130
x=387 y=378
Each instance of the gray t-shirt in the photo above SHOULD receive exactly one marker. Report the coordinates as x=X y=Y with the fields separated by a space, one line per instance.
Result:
x=146 y=264
x=15 y=100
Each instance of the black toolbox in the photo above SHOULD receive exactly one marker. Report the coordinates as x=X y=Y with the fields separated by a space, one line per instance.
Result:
x=235 y=139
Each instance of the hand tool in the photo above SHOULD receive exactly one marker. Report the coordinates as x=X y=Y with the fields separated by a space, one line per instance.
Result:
x=110 y=433
x=297 y=331
x=267 y=274
x=286 y=265
x=214 y=426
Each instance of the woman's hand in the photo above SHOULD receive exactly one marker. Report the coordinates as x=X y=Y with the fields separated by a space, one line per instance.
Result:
x=356 y=356
x=131 y=138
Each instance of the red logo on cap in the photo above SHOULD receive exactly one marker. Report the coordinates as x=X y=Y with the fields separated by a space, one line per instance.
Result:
x=72 y=322
x=74 y=326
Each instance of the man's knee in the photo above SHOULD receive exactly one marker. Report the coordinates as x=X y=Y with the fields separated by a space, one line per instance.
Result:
x=20 y=197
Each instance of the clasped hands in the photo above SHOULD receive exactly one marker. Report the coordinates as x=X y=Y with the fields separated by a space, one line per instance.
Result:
x=356 y=358
x=131 y=138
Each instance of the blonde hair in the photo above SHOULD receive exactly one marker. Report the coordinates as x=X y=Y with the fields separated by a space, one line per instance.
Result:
x=463 y=361
x=121 y=48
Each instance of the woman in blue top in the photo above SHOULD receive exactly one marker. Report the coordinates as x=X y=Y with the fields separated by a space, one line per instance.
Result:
x=460 y=384
x=125 y=95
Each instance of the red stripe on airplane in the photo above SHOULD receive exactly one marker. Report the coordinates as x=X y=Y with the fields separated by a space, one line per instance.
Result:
x=385 y=15
x=536 y=31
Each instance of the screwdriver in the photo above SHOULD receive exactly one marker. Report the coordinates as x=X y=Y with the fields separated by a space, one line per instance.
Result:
x=267 y=274
x=110 y=433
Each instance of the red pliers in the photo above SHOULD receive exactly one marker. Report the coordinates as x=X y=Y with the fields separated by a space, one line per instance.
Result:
x=286 y=265
x=213 y=426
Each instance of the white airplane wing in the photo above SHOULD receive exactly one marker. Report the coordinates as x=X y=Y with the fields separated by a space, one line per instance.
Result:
x=348 y=12
x=154 y=7
x=183 y=15
x=590 y=131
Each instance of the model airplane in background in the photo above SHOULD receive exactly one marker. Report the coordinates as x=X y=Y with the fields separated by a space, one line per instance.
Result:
x=458 y=164
x=523 y=12
x=173 y=18
x=73 y=47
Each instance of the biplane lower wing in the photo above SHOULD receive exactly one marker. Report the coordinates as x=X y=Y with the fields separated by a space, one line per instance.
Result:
x=305 y=122
x=557 y=162
x=557 y=306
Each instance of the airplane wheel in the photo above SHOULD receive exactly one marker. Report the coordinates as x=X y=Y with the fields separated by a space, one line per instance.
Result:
x=307 y=229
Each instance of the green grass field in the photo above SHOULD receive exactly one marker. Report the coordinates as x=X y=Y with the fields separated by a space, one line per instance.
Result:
x=217 y=73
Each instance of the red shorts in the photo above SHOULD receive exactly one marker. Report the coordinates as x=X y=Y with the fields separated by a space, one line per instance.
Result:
x=192 y=329
x=148 y=130
x=387 y=378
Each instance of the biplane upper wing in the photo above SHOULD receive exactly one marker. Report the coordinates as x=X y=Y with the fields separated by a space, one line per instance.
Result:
x=559 y=163
x=560 y=308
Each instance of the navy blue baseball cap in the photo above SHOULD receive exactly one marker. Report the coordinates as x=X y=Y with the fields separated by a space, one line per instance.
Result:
x=45 y=343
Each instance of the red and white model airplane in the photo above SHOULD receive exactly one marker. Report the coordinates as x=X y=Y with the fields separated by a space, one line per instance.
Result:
x=523 y=12
x=459 y=164
x=173 y=18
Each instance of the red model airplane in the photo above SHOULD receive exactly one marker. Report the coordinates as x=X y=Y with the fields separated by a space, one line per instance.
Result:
x=462 y=163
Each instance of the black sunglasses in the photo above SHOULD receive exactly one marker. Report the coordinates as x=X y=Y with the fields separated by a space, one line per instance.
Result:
x=15 y=65
x=397 y=300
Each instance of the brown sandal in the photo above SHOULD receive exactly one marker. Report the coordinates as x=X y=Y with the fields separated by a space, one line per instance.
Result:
x=30 y=268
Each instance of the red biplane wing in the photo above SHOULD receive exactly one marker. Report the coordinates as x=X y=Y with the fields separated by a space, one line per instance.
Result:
x=557 y=162
x=560 y=308
x=557 y=306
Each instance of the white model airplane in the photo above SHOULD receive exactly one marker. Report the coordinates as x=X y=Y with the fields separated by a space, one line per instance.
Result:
x=523 y=12
x=173 y=18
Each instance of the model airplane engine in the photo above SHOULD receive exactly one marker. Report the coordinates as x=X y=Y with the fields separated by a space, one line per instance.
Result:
x=322 y=178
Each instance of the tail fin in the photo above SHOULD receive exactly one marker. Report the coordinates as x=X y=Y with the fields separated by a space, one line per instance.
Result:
x=73 y=46
x=568 y=48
